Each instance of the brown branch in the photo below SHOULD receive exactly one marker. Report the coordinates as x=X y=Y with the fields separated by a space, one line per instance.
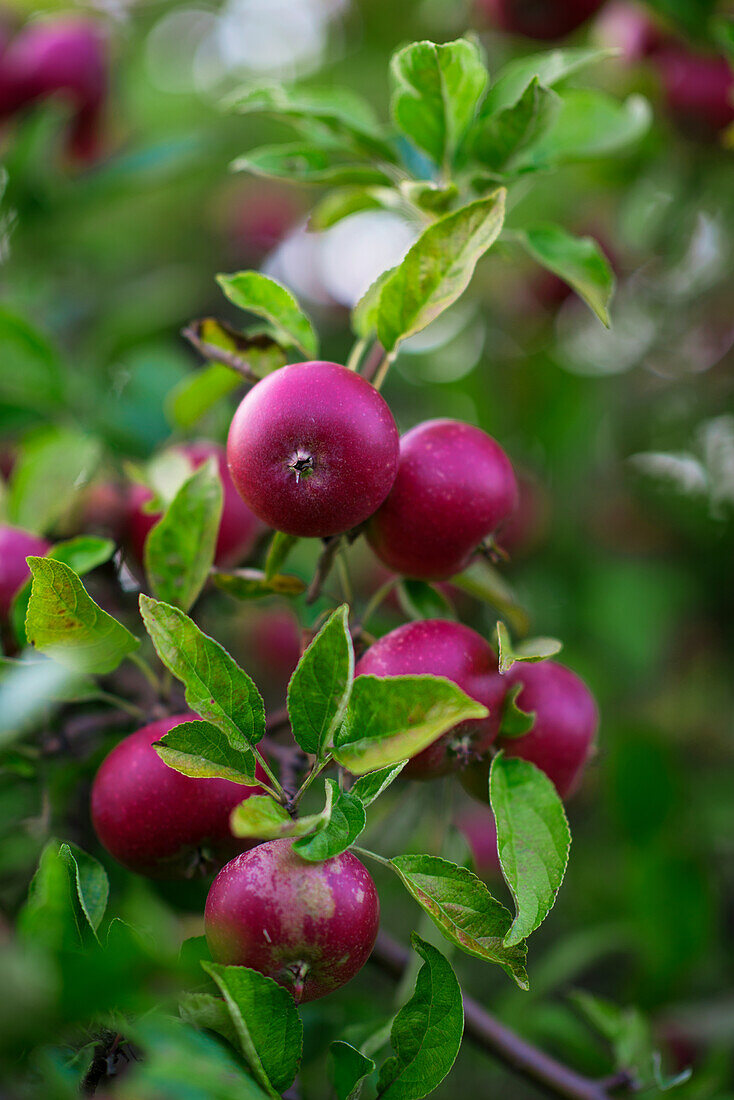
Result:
x=509 y=1048
x=227 y=358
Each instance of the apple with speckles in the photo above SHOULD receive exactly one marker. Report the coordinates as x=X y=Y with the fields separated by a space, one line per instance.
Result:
x=440 y=647
x=454 y=486
x=313 y=449
x=156 y=821
x=15 y=546
x=309 y=926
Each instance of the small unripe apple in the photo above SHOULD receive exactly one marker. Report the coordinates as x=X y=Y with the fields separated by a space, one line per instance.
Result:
x=15 y=546
x=238 y=527
x=440 y=647
x=310 y=926
x=313 y=449
x=453 y=487
x=699 y=89
x=156 y=821
x=563 y=734
x=64 y=57
x=544 y=19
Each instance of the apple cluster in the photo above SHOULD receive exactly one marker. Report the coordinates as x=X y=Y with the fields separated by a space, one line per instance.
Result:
x=314 y=450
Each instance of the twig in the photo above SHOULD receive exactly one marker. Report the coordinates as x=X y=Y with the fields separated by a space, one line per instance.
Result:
x=507 y=1046
x=373 y=361
x=323 y=567
x=229 y=359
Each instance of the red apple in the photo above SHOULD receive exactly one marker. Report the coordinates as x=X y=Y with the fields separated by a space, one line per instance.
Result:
x=156 y=821
x=313 y=449
x=454 y=486
x=439 y=647
x=310 y=926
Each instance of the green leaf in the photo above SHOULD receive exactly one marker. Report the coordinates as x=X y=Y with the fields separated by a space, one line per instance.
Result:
x=301 y=163
x=82 y=554
x=50 y=468
x=502 y=136
x=216 y=687
x=320 y=687
x=429 y=195
x=515 y=722
x=367 y=310
x=204 y=1010
x=260 y=816
x=345 y=823
x=278 y=551
x=533 y=840
x=348 y=1070
x=90 y=881
x=631 y=1038
x=198 y=392
x=579 y=261
x=64 y=622
x=67 y=897
x=266 y=1021
x=420 y=600
x=437 y=90
x=179 y=550
x=589 y=124
x=437 y=268
x=463 y=910
x=531 y=650
x=369 y=787
x=427 y=1032
x=342 y=202
x=392 y=718
x=548 y=68
x=201 y=750
x=337 y=112
x=482 y=581
x=263 y=296
x=251 y=584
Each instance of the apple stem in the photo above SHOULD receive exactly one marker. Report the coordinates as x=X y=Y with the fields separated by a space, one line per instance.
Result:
x=300 y=971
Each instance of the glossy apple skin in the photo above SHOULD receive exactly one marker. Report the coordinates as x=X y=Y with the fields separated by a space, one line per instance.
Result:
x=698 y=89
x=542 y=19
x=439 y=647
x=454 y=486
x=563 y=736
x=15 y=546
x=64 y=57
x=153 y=819
x=320 y=415
x=238 y=527
x=271 y=910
